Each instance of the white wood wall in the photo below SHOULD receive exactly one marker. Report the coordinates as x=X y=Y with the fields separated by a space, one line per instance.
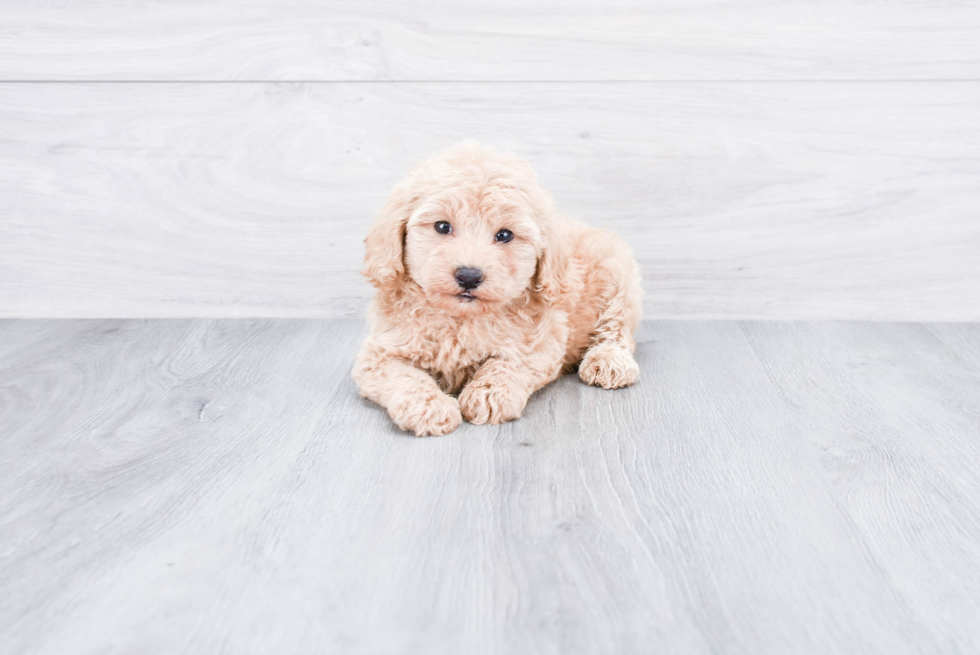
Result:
x=764 y=159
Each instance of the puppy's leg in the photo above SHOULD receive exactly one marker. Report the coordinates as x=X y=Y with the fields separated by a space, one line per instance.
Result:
x=497 y=393
x=501 y=387
x=413 y=399
x=609 y=361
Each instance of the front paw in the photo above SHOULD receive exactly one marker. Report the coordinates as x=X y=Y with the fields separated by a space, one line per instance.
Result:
x=492 y=401
x=425 y=412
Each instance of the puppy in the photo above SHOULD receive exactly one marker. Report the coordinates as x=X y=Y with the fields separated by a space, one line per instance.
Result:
x=485 y=293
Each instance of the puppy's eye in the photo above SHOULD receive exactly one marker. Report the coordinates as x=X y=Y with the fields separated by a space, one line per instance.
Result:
x=504 y=236
x=443 y=227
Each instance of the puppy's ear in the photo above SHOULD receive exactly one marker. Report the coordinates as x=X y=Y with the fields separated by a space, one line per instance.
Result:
x=384 y=257
x=551 y=264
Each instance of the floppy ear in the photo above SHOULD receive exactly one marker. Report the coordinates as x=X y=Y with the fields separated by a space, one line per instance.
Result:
x=384 y=258
x=551 y=263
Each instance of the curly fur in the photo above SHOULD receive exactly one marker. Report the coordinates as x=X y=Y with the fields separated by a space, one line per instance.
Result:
x=558 y=296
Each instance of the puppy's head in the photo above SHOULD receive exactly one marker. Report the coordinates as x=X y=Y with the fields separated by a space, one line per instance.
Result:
x=470 y=227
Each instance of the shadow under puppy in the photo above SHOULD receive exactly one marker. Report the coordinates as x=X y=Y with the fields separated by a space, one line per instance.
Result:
x=485 y=293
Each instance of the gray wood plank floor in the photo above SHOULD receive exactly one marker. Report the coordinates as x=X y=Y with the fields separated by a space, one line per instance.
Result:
x=217 y=486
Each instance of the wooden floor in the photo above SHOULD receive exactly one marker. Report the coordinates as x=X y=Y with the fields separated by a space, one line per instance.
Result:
x=217 y=486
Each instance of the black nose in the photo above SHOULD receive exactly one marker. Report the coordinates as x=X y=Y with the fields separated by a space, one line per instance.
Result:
x=469 y=278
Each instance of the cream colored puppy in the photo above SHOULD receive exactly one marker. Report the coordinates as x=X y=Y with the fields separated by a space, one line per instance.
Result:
x=485 y=294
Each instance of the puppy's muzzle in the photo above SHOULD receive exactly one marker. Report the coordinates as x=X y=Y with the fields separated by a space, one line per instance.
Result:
x=468 y=278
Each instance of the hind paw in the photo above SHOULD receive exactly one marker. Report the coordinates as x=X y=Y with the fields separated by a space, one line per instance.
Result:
x=609 y=366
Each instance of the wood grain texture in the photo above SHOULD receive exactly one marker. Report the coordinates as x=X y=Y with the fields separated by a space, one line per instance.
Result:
x=309 y=40
x=217 y=486
x=898 y=433
x=770 y=200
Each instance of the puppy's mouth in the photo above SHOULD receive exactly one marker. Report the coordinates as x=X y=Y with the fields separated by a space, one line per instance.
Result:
x=466 y=297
